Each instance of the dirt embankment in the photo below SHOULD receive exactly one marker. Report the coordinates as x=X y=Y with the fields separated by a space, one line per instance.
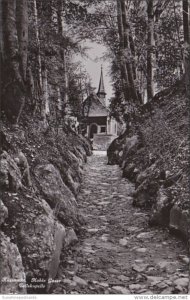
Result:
x=155 y=155
x=40 y=176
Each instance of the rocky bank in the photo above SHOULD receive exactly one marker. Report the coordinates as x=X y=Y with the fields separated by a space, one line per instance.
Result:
x=154 y=156
x=40 y=176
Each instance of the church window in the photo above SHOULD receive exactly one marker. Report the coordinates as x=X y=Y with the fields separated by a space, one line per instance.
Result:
x=103 y=129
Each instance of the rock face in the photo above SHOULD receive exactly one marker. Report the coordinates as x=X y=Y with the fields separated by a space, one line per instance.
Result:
x=69 y=165
x=155 y=157
x=147 y=186
x=10 y=175
x=3 y=212
x=59 y=240
x=12 y=274
x=38 y=234
x=153 y=188
x=71 y=237
x=39 y=218
x=146 y=193
x=115 y=150
x=130 y=171
x=57 y=194
x=179 y=221
x=130 y=147
x=161 y=209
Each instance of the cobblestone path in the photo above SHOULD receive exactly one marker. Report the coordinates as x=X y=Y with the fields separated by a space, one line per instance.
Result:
x=118 y=253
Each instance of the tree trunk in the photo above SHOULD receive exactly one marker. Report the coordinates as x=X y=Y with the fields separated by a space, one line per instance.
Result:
x=45 y=96
x=13 y=84
x=132 y=47
x=39 y=60
x=1 y=32
x=22 y=30
x=128 y=54
x=1 y=53
x=59 y=104
x=150 y=50
x=124 y=76
x=11 y=39
x=189 y=15
x=66 y=84
x=64 y=59
x=186 y=28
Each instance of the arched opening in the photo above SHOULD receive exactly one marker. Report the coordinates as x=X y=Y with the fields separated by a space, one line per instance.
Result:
x=93 y=130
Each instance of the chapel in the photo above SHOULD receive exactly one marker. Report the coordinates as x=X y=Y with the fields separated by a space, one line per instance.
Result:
x=101 y=128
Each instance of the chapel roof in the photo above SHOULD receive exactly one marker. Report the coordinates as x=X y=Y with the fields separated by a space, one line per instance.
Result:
x=93 y=107
x=101 y=89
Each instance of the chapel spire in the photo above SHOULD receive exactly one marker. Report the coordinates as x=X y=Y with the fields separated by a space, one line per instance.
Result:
x=101 y=90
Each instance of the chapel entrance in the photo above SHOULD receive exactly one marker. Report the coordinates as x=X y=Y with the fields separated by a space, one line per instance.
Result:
x=93 y=130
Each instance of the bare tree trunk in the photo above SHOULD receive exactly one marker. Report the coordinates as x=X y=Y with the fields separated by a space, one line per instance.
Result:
x=1 y=53
x=66 y=83
x=22 y=30
x=189 y=16
x=11 y=39
x=150 y=50
x=132 y=47
x=128 y=54
x=31 y=88
x=64 y=59
x=59 y=104
x=45 y=95
x=1 y=30
x=39 y=60
x=14 y=87
x=41 y=72
x=156 y=54
x=186 y=28
x=124 y=75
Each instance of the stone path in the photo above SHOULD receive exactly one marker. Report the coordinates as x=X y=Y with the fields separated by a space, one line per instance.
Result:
x=118 y=252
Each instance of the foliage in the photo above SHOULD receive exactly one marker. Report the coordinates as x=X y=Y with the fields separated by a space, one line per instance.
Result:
x=168 y=49
x=57 y=30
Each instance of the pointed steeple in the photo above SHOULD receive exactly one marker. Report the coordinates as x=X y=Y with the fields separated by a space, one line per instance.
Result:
x=101 y=90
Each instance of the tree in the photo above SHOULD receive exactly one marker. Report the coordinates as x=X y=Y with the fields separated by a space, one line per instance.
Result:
x=22 y=31
x=150 y=49
x=144 y=39
x=121 y=60
x=125 y=33
x=15 y=41
x=186 y=28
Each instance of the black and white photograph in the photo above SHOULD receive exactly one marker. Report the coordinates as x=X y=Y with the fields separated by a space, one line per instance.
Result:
x=94 y=148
